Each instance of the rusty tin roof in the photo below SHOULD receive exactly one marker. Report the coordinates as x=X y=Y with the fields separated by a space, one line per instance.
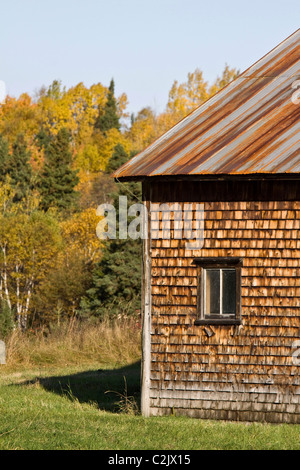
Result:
x=250 y=127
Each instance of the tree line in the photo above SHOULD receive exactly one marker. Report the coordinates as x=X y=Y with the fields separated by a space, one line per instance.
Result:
x=57 y=152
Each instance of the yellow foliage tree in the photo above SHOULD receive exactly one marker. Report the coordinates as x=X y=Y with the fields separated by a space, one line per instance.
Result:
x=19 y=116
x=79 y=233
x=75 y=109
x=144 y=129
x=59 y=294
x=29 y=244
x=183 y=99
x=94 y=156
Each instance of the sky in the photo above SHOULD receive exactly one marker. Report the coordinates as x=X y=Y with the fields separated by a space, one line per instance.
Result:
x=143 y=45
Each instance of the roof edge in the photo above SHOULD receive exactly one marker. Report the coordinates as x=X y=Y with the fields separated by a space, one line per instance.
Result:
x=210 y=177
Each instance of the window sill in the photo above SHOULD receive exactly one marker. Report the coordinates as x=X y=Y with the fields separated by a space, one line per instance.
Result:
x=218 y=322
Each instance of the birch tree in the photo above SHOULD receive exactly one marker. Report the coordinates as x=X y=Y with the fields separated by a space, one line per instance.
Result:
x=28 y=247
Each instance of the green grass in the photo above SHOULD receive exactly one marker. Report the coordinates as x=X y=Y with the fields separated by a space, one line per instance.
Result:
x=71 y=408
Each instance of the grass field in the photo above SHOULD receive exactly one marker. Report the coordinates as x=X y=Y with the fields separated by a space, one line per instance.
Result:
x=92 y=402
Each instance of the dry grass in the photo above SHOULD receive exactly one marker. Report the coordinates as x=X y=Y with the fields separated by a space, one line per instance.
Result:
x=76 y=343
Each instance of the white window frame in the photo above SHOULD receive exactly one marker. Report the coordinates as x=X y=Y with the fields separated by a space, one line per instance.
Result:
x=204 y=264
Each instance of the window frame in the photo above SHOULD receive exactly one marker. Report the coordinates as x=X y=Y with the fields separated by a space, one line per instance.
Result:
x=217 y=263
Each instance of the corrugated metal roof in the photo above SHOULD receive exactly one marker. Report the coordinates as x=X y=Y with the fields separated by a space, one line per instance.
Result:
x=250 y=127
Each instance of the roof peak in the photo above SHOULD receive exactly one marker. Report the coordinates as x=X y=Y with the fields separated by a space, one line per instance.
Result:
x=250 y=126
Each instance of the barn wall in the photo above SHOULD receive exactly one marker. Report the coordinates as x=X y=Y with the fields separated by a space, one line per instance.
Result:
x=243 y=372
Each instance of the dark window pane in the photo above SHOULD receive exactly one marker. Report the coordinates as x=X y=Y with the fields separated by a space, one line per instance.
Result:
x=212 y=293
x=229 y=291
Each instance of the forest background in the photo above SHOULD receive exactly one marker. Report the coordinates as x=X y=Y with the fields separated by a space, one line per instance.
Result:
x=58 y=150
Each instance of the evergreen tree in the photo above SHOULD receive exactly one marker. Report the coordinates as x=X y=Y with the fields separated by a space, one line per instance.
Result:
x=58 y=179
x=109 y=118
x=4 y=156
x=118 y=158
x=19 y=168
x=116 y=283
x=42 y=139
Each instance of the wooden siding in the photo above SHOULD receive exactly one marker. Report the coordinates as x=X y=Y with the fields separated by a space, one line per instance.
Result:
x=240 y=372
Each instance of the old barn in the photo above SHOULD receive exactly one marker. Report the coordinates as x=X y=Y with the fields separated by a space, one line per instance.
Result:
x=221 y=323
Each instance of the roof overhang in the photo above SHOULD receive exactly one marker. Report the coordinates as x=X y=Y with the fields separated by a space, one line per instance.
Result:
x=202 y=178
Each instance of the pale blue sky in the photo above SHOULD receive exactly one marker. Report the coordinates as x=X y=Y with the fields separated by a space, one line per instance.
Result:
x=143 y=45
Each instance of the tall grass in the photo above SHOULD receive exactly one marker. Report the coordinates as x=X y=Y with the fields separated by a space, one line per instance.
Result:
x=74 y=343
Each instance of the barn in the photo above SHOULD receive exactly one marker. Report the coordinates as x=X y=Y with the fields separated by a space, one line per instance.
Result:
x=221 y=319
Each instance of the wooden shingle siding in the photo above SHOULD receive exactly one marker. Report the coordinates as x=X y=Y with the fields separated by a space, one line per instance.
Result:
x=245 y=371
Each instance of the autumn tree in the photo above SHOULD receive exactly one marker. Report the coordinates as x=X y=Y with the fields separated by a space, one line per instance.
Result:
x=29 y=243
x=94 y=156
x=187 y=96
x=79 y=233
x=75 y=108
x=227 y=76
x=28 y=246
x=144 y=128
x=183 y=98
x=19 y=116
x=55 y=90
x=60 y=293
x=58 y=296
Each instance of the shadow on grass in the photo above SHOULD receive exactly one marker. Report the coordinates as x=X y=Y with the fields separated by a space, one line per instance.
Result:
x=110 y=389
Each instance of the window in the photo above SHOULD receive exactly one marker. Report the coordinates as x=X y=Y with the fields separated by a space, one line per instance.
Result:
x=219 y=290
